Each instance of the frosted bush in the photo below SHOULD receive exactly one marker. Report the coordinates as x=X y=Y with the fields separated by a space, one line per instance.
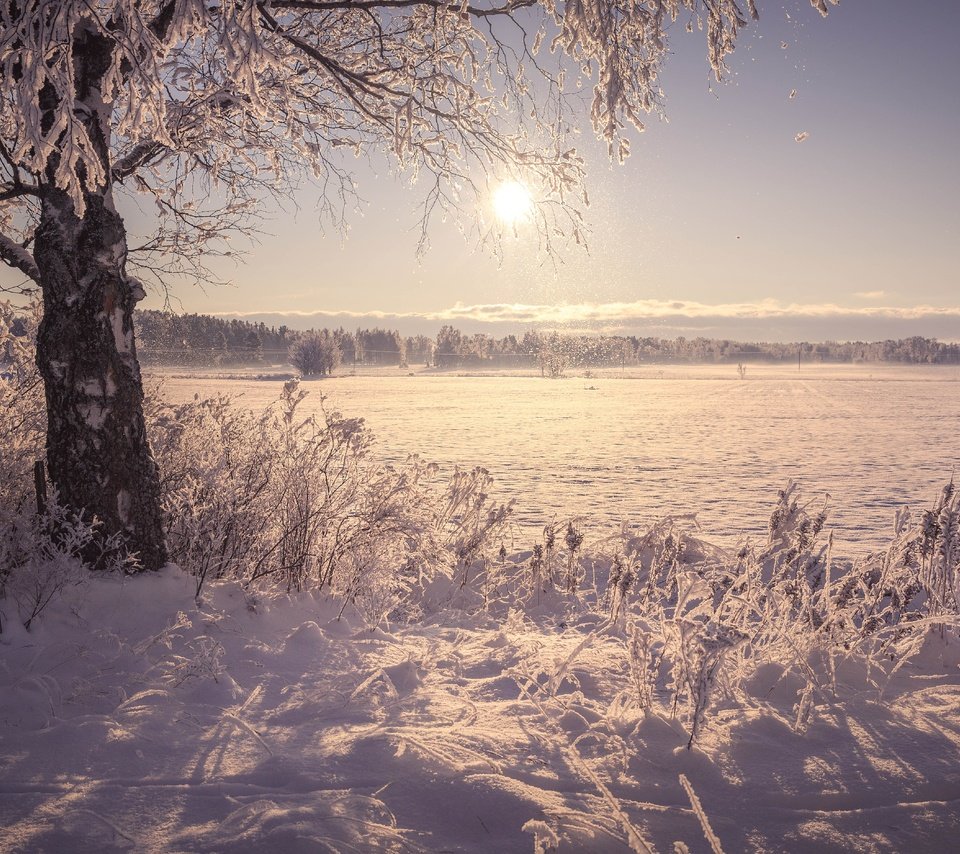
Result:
x=697 y=623
x=916 y=580
x=643 y=667
x=700 y=649
x=22 y=407
x=721 y=620
x=466 y=520
x=315 y=353
x=271 y=499
x=574 y=541
x=40 y=555
x=300 y=502
x=619 y=585
x=203 y=661
x=554 y=564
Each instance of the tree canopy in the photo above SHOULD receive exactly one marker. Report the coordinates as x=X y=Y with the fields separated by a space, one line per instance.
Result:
x=205 y=106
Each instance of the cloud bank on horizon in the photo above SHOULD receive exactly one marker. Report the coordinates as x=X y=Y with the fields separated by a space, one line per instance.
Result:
x=768 y=319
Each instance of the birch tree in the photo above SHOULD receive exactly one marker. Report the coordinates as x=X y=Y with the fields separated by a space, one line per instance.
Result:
x=204 y=106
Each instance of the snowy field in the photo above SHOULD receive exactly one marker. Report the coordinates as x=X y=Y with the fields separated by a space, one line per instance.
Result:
x=665 y=439
x=649 y=692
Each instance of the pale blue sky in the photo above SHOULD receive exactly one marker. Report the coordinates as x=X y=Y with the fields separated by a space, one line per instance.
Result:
x=719 y=208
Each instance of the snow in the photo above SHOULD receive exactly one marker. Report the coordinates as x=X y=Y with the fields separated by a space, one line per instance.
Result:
x=99 y=388
x=670 y=439
x=508 y=714
x=133 y=719
x=123 y=338
x=13 y=254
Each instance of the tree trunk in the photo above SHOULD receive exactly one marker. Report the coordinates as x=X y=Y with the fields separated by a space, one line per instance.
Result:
x=97 y=450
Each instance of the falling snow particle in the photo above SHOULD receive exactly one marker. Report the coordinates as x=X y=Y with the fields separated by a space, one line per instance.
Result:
x=802 y=136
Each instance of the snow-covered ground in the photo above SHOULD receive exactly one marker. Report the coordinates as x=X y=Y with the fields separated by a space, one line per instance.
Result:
x=539 y=700
x=132 y=719
x=664 y=439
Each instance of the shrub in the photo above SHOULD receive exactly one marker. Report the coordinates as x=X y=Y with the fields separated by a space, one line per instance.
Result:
x=300 y=502
x=22 y=407
x=269 y=498
x=315 y=353
x=40 y=555
x=697 y=623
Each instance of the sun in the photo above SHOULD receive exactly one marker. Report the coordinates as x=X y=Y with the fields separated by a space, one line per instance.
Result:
x=512 y=202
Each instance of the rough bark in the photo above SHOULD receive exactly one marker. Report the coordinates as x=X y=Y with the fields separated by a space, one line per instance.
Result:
x=97 y=450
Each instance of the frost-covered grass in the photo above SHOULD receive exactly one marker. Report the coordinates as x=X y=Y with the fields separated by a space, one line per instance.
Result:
x=133 y=718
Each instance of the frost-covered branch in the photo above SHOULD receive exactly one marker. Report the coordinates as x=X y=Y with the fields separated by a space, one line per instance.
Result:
x=11 y=191
x=141 y=155
x=460 y=8
x=14 y=255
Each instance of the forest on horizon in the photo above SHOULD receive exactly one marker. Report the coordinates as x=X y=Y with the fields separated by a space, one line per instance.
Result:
x=166 y=338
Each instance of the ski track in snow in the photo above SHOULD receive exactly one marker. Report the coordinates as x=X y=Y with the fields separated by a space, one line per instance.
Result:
x=322 y=735
x=672 y=440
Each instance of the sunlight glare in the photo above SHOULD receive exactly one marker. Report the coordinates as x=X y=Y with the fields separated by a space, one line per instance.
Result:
x=512 y=202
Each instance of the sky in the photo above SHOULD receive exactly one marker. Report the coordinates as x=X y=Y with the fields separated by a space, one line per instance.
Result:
x=719 y=224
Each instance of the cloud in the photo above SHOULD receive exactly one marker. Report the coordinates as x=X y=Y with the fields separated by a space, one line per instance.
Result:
x=566 y=313
x=870 y=294
x=646 y=310
x=757 y=320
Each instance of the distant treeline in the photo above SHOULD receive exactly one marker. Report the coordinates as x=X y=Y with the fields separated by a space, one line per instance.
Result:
x=167 y=338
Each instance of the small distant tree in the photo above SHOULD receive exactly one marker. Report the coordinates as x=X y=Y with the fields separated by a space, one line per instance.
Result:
x=551 y=358
x=346 y=341
x=315 y=354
